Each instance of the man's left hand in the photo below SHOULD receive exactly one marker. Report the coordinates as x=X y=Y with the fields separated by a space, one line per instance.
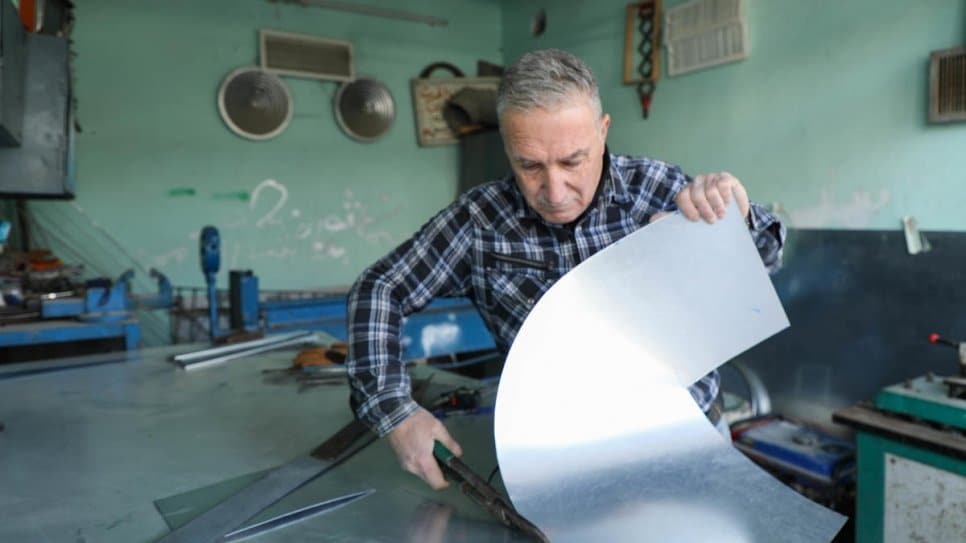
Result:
x=707 y=197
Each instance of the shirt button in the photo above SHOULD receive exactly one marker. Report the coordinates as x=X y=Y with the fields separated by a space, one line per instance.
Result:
x=529 y=301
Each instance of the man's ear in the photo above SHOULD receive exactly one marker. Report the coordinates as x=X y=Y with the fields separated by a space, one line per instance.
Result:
x=604 y=125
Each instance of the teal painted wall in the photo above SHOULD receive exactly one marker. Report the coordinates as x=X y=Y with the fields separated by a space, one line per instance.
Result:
x=827 y=116
x=308 y=209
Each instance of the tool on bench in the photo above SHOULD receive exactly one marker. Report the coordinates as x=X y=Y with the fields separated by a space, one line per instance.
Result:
x=460 y=398
x=317 y=361
x=228 y=515
x=313 y=367
x=462 y=401
x=481 y=410
x=956 y=384
x=482 y=493
x=322 y=356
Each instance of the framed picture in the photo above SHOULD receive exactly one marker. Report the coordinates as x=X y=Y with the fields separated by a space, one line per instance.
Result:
x=430 y=97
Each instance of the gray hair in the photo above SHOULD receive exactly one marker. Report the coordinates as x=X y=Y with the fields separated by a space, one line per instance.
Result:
x=545 y=78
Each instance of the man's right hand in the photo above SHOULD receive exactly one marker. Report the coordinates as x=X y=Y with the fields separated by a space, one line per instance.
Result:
x=413 y=441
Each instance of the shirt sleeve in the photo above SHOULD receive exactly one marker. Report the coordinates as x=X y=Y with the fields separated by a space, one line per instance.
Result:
x=769 y=235
x=434 y=262
x=766 y=230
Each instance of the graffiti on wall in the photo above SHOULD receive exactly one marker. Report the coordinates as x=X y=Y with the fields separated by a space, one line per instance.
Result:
x=271 y=225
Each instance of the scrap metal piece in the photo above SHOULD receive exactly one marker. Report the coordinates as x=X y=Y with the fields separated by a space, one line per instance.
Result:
x=228 y=515
x=211 y=525
x=916 y=241
x=297 y=515
x=600 y=440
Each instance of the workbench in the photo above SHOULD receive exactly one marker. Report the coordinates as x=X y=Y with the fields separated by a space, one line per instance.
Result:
x=89 y=444
x=911 y=463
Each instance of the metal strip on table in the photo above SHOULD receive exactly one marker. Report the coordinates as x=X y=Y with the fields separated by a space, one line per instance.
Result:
x=205 y=354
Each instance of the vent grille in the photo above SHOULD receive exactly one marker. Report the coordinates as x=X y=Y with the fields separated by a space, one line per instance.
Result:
x=705 y=33
x=300 y=55
x=947 y=85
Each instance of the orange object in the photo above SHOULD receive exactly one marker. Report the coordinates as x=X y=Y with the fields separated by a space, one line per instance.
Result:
x=43 y=260
x=32 y=14
x=322 y=356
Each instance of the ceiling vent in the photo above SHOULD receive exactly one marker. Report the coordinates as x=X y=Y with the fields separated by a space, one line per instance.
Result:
x=947 y=85
x=300 y=55
x=705 y=33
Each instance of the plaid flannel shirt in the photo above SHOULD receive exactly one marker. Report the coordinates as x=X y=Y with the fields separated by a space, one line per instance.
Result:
x=492 y=248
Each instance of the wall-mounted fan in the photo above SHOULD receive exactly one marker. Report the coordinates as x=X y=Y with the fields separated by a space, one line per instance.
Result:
x=364 y=108
x=255 y=104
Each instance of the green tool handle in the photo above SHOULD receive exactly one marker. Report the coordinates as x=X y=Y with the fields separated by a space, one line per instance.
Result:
x=450 y=460
x=485 y=495
x=440 y=451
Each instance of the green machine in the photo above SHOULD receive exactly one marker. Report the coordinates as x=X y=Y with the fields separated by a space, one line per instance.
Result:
x=911 y=461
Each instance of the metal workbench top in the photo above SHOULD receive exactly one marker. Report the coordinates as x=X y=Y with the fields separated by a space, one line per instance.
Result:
x=91 y=443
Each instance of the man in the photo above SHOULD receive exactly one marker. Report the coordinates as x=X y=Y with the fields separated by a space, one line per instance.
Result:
x=503 y=244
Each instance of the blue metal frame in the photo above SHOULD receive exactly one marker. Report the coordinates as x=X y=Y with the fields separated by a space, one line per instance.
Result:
x=62 y=331
x=102 y=313
x=446 y=326
x=99 y=303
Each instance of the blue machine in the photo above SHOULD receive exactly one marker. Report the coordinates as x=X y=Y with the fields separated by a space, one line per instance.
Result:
x=103 y=304
x=446 y=326
x=100 y=312
x=210 y=253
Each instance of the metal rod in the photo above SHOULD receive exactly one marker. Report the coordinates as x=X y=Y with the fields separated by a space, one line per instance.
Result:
x=210 y=353
x=373 y=10
x=221 y=359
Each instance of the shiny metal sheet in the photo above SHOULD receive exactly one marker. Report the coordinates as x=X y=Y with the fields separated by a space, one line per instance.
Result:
x=597 y=436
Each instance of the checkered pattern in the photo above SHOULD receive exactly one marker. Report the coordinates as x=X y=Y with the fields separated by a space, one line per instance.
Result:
x=490 y=247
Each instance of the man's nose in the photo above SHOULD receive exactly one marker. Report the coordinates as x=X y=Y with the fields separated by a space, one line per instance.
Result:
x=555 y=185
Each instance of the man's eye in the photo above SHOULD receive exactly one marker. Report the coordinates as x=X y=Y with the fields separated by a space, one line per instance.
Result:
x=571 y=164
x=530 y=167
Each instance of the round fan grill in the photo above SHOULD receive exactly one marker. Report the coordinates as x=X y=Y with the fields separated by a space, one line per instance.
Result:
x=254 y=104
x=364 y=109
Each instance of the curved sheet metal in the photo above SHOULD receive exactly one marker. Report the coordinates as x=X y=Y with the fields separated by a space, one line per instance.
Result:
x=597 y=436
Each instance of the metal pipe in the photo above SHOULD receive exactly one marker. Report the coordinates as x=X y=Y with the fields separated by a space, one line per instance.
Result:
x=372 y=10
x=757 y=391
x=196 y=356
x=241 y=354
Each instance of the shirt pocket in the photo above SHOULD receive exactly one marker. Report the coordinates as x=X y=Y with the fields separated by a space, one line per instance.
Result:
x=515 y=291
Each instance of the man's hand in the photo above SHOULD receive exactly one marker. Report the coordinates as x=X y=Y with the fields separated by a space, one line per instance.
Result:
x=707 y=197
x=413 y=442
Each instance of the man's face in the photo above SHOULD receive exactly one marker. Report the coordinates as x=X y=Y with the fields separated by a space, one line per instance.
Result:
x=556 y=155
